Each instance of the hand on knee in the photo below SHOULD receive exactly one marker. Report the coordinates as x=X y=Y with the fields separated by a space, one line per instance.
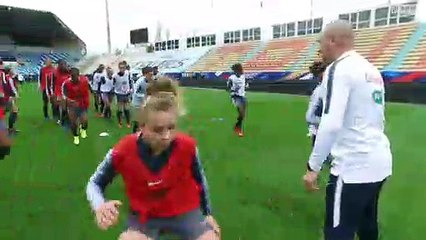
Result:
x=133 y=235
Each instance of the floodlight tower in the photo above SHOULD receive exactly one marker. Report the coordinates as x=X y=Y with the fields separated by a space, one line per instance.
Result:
x=108 y=27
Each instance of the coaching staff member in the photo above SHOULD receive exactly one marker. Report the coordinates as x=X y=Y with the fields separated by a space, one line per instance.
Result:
x=352 y=129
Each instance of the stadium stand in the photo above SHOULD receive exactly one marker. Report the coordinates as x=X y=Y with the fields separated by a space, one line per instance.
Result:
x=380 y=45
x=391 y=48
x=295 y=54
x=221 y=58
x=172 y=61
x=416 y=56
x=176 y=61
x=32 y=36
x=392 y=40
x=88 y=64
x=280 y=55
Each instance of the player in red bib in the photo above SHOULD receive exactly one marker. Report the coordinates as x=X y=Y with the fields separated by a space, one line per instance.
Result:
x=163 y=177
x=76 y=93
x=5 y=141
x=45 y=80
x=61 y=74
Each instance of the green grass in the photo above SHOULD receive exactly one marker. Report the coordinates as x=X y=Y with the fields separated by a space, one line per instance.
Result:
x=255 y=181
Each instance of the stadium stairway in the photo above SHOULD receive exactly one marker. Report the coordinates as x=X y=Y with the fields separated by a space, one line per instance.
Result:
x=304 y=62
x=221 y=58
x=54 y=56
x=416 y=59
x=279 y=54
x=398 y=60
x=194 y=65
x=251 y=54
x=31 y=63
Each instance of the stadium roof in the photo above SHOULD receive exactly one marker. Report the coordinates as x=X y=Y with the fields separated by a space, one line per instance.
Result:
x=27 y=23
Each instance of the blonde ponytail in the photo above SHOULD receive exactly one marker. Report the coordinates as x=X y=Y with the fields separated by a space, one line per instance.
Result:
x=166 y=85
x=162 y=102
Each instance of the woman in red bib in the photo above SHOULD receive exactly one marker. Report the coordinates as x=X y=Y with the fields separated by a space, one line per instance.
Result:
x=61 y=74
x=5 y=141
x=163 y=177
x=76 y=94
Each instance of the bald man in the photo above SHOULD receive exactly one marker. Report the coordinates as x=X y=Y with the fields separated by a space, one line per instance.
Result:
x=352 y=130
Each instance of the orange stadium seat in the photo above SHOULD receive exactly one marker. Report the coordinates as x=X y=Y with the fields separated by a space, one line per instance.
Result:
x=416 y=59
x=279 y=55
x=221 y=58
x=380 y=45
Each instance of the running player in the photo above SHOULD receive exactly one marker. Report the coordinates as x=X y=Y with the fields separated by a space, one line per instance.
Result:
x=96 y=85
x=76 y=92
x=122 y=88
x=10 y=95
x=107 y=92
x=5 y=141
x=127 y=66
x=164 y=180
x=313 y=115
x=62 y=74
x=139 y=94
x=45 y=77
x=155 y=73
x=237 y=86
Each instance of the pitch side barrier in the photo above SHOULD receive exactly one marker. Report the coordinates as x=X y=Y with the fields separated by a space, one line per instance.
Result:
x=411 y=92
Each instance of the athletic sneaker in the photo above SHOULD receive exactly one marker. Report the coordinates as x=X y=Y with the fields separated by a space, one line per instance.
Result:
x=239 y=131
x=76 y=141
x=83 y=133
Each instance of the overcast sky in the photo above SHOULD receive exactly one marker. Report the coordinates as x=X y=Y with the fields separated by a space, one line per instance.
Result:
x=87 y=18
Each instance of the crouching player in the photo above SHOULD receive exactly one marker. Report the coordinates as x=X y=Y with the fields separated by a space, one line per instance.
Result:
x=76 y=92
x=166 y=85
x=162 y=87
x=163 y=177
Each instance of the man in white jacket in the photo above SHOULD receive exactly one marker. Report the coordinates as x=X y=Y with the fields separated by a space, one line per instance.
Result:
x=352 y=130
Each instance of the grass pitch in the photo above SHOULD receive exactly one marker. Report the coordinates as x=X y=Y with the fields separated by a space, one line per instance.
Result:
x=255 y=181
